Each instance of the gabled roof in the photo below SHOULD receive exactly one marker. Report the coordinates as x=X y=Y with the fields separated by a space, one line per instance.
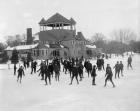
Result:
x=57 y=18
x=80 y=36
x=73 y=22
x=42 y=21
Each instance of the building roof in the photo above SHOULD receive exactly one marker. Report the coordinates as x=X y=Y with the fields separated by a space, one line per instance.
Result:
x=57 y=18
x=80 y=36
x=42 y=21
x=91 y=46
x=22 y=47
x=73 y=22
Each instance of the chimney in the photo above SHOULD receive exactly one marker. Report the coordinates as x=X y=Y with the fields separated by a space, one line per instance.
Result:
x=29 y=36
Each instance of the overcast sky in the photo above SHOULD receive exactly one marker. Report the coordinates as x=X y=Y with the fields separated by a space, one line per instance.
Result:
x=91 y=15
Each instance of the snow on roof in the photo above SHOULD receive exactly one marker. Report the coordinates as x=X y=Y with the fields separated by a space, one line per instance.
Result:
x=47 y=45
x=61 y=46
x=90 y=46
x=22 y=47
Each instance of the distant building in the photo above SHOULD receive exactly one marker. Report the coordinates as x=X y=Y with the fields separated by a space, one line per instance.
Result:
x=57 y=38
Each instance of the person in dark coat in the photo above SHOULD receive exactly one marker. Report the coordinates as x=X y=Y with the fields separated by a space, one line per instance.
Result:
x=74 y=74
x=80 y=70
x=56 y=70
x=109 y=75
x=28 y=62
x=86 y=65
x=89 y=68
x=117 y=69
x=42 y=70
x=99 y=64
x=93 y=74
x=20 y=73
x=34 y=66
x=50 y=67
x=65 y=68
x=15 y=68
x=121 y=67
x=129 y=62
x=70 y=68
x=47 y=75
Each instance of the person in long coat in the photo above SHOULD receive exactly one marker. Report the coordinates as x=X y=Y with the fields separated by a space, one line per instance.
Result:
x=20 y=73
x=47 y=75
x=74 y=74
x=109 y=75
x=93 y=74
x=117 y=69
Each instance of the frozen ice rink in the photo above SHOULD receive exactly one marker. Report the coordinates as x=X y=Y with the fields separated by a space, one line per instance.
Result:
x=33 y=95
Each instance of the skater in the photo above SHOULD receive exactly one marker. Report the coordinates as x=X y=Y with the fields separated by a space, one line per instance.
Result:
x=74 y=74
x=50 y=67
x=24 y=63
x=109 y=75
x=102 y=63
x=34 y=66
x=15 y=68
x=86 y=65
x=47 y=75
x=99 y=64
x=93 y=74
x=70 y=68
x=121 y=67
x=129 y=62
x=117 y=69
x=42 y=70
x=89 y=68
x=80 y=70
x=20 y=73
x=57 y=73
x=65 y=68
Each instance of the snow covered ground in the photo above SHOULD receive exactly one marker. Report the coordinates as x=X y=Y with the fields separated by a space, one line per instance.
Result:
x=33 y=95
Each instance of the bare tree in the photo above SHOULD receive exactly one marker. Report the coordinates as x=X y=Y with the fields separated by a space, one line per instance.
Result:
x=124 y=35
x=13 y=40
x=98 y=37
x=2 y=46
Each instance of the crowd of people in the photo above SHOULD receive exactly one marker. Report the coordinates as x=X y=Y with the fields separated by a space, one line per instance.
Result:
x=49 y=69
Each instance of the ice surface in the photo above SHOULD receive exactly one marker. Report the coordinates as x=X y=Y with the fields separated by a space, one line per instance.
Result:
x=33 y=95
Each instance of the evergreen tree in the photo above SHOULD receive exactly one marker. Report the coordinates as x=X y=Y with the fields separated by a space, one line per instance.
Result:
x=3 y=57
x=14 y=58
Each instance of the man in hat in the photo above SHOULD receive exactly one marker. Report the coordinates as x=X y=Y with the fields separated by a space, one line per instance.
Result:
x=109 y=75
x=20 y=73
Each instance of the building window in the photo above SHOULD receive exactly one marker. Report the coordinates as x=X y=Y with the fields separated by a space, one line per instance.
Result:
x=56 y=53
x=46 y=52
x=42 y=52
